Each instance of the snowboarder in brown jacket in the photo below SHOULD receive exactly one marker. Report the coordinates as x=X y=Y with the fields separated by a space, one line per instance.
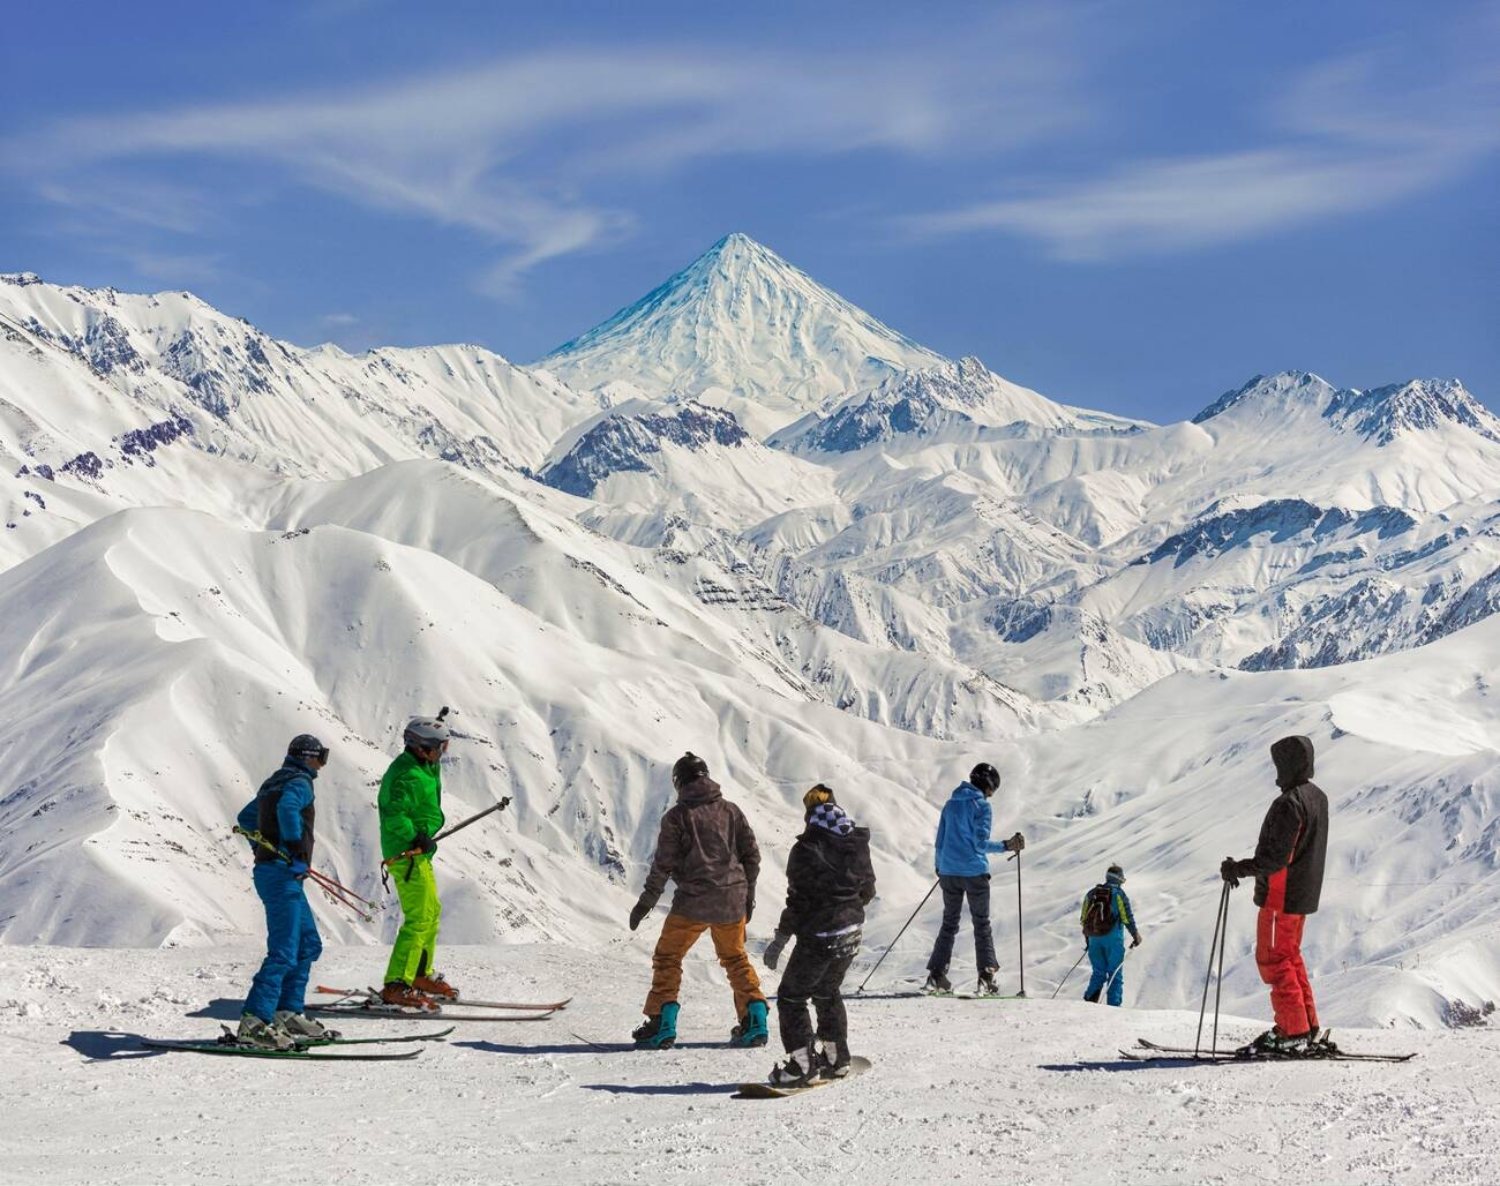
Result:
x=706 y=846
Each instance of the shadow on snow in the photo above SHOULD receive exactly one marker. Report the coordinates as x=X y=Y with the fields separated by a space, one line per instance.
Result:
x=108 y=1045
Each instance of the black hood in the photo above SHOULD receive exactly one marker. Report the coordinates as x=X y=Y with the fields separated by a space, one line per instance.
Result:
x=1294 y=761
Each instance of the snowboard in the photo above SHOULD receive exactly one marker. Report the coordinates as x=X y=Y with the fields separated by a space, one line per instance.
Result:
x=766 y=1091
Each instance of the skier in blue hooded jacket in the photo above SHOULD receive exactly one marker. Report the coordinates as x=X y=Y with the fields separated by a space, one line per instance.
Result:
x=1105 y=916
x=963 y=870
x=282 y=814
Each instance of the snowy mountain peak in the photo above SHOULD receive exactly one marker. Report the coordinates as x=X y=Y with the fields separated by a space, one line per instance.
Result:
x=621 y=441
x=1287 y=387
x=961 y=398
x=1378 y=415
x=20 y=279
x=742 y=323
x=1382 y=413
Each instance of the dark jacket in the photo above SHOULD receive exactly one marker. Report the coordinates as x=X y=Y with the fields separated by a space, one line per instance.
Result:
x=1290 y=854
x=829 y=881
x=282 y=811
x=706 y=846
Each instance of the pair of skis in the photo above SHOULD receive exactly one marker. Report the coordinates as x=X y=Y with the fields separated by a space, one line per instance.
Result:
x=1153 y=1052
x=315 y=1049
x=366 y=1002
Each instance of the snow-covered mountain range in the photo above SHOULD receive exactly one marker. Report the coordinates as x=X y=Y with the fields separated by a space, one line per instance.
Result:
x=741 y=516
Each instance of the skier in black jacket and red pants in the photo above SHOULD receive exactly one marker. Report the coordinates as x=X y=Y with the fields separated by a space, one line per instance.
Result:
x=1288 y=871
x=829 y=881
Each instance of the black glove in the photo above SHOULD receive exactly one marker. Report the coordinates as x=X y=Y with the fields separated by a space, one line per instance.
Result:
x=1229 y=871
x=1016 y=843
x=639 y=911
x=1135 y=940
x=774 y=949
x=749 y=906
x=424 y=843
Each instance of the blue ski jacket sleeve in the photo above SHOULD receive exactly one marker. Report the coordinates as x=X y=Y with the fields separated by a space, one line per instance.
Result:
x=296 y=795
x=1124 y=913
x=249 y=818
x=963 y=836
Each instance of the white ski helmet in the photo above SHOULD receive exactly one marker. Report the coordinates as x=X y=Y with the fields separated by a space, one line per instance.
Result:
x=425 y=732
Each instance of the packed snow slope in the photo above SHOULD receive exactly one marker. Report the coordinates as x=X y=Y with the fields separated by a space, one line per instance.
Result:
x=744 y=518
x=958 y=1090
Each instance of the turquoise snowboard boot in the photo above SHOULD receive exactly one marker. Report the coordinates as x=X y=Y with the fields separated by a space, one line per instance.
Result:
x=659 y=1032
x=754 y=1028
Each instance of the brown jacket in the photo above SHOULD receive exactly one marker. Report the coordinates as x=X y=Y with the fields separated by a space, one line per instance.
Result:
x=706 y=847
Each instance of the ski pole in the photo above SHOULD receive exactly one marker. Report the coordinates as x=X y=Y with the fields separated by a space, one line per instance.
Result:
x=1219 y=984
x=1220 y=919
x=897 y=939
x=339 y=893
x=1070 y=971
x=1020 y=926
x=1110 y=979
x=443 y=835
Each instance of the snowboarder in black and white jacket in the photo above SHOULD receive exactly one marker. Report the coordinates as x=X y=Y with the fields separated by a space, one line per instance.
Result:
x=829 y=882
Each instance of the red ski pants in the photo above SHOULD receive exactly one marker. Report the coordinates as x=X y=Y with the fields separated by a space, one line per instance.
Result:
x=1278 y=955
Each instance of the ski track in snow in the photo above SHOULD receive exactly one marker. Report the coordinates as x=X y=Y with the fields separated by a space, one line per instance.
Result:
x=1023 y=1091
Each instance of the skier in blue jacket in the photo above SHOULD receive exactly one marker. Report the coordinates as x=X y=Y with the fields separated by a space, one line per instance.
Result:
x=963 y=871
x=282 y=813
x=1105 y=916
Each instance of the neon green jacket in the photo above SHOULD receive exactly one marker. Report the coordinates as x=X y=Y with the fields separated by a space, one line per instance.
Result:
x=411 y=801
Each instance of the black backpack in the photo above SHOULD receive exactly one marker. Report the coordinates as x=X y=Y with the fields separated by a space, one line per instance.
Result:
x=1099 y=911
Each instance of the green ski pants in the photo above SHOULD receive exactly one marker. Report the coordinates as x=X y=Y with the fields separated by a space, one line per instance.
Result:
x=421 y=911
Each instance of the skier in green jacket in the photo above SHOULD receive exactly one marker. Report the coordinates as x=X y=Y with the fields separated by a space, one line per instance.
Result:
x=411 y=813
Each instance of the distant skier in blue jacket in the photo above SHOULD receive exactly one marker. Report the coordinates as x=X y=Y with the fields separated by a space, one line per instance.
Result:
x=1105 y=916
x=282 y=813
x=963 y=870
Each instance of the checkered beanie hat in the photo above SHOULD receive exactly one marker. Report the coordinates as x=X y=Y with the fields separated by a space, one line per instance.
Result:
x=831 y=818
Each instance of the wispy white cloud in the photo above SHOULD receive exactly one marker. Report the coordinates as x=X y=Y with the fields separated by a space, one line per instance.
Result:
x=174 y=268
x=1354 y=133
x=512 y=150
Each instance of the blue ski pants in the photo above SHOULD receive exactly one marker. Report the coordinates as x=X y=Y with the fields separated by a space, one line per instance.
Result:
x=955 y=890
x=1106 y=957
x=292 y=943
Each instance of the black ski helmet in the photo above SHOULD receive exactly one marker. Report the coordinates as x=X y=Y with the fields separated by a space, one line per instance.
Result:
x=305 y=745
x=985 y=777
x=1115 y=874
x=687 y=768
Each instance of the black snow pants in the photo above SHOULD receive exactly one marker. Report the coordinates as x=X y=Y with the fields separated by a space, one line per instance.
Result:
x=815 y=971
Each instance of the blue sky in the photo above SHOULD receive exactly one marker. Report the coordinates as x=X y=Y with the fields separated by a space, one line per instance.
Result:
x=1131 y=206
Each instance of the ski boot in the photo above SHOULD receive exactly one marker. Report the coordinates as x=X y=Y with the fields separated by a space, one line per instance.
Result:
x=754 y=1028
x=435 y=986
x=404 y=996
x=937 y=982
x=303 y=1028
x=1275 y=1042
x=801 y=1068
x=987 y=986
x=659 y=1031
x=262 y=1035
x=836 y=1060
